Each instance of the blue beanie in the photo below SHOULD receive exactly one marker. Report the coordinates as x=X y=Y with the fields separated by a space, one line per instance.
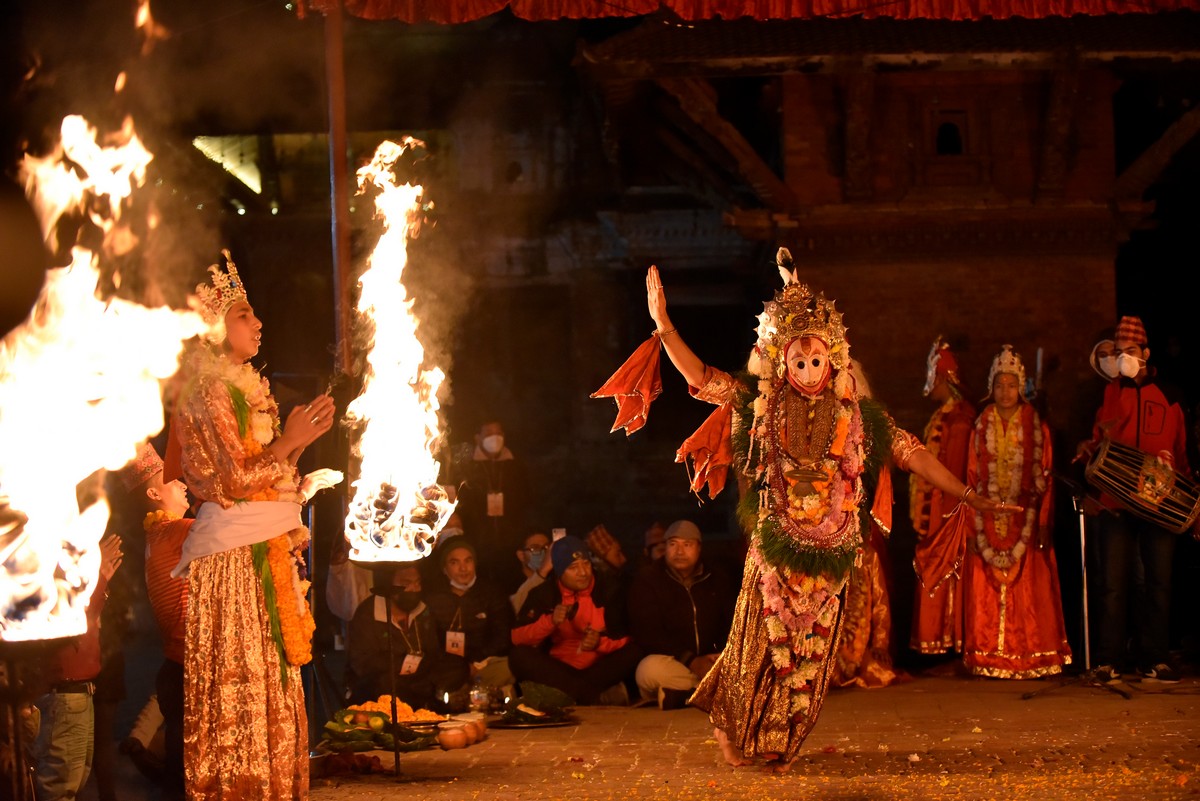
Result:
x=566 y=552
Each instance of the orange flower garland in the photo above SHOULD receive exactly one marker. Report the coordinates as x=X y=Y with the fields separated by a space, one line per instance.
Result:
x=296 y=622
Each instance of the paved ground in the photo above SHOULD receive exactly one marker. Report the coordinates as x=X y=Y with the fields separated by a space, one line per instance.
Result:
x=933 y=737
x=929 y=738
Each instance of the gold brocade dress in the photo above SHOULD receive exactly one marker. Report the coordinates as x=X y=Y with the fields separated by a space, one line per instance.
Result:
x=747 y=694
x=245 y=724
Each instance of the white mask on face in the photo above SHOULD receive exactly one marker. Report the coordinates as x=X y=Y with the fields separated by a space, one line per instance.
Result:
x=808 y=365
x=1108 y=366
x=1129 y=366
x=463 y=587
x=494 y=444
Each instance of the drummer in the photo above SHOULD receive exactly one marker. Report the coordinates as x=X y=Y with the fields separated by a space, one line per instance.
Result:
x=1140 y=412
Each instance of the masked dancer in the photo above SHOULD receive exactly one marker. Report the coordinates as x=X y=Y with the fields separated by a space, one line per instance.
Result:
x=807 y=449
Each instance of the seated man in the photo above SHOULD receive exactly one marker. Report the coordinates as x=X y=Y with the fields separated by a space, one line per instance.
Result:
x=396 y=647
x=680 y=614
x=568 y=631
x=474 y=617
x=534 y=556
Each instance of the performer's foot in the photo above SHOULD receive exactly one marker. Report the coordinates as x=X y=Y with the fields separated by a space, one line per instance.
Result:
x=728 y=751
x=775 y=763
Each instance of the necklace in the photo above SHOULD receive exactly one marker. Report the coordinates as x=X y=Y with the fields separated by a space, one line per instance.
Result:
x=1009 y=468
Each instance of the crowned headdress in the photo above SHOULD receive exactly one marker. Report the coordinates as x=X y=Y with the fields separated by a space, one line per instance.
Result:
x=796 y=312
x=213 y=300
x=1007 y=361
x=225 y=290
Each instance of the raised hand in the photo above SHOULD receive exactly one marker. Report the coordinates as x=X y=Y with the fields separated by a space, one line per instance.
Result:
x=656 y=300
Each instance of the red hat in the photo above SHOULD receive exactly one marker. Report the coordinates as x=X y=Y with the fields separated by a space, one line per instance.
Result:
x=144 y=465
x=1131 y=328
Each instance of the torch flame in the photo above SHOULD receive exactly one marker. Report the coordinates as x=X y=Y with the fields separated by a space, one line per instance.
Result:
x=398 y=507
x=79 y=390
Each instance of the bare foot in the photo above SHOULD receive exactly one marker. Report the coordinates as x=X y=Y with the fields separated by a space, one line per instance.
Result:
x=775 y=763
x=728 y=751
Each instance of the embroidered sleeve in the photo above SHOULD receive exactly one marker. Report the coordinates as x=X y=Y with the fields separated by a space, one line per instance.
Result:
x=904 y=445
x=216 y=465
x=719 y=387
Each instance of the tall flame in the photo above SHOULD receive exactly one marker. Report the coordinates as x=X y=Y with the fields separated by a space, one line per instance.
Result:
x=398 y=506
x=79 y=390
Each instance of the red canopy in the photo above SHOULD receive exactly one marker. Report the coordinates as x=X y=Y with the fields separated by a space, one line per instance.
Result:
x=455 y=11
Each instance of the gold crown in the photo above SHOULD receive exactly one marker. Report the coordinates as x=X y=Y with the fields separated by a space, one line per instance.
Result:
x=796 y=312
x=1007 y=361
x=226 y=289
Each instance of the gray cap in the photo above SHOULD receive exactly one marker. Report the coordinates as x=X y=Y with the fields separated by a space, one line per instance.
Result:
x=684 y=530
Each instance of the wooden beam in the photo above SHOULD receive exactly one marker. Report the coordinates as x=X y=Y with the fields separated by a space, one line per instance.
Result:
x=698 y=100
x=1058 y=129
x=1138 y=176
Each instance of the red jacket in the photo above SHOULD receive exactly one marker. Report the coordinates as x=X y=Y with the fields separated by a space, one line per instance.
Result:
x=565 y=638
x=1145 y=417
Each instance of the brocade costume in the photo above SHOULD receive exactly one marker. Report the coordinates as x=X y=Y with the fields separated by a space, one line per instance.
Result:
x=767 y=687
x=245 y=728
x=809 y=453
x=1013 y=616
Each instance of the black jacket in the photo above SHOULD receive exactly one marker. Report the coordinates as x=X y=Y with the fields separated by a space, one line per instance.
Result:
x=669 y=618
x=482 y=613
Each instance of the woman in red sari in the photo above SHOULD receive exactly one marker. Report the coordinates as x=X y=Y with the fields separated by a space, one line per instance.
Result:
x=1013 y=606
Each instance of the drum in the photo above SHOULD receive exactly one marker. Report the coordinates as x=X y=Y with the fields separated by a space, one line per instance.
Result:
x=1145 y=486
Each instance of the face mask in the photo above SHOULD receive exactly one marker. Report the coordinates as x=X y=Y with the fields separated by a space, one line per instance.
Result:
x=1129 y=366
x=463 y=587
x=1108 y=366
x=493 y=444
x=536 y=560
x=808 y=367
x=407 y=599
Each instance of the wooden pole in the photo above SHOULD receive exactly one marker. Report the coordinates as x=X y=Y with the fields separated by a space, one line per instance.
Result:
x=339 y=182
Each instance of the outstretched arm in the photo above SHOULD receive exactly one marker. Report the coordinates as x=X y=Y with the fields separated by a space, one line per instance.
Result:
x=926 y=465
x=686 y=362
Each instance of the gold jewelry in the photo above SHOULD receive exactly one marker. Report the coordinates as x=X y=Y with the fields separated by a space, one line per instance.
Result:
x=967 y=493
x=662 y=334
x=225 y=290
x=316 y=418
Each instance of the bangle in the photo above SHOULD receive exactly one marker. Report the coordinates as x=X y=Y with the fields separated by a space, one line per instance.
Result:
x=662 y=334
x=967 y=493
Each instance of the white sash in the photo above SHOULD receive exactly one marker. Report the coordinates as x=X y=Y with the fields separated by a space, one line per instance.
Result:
x=218 y=529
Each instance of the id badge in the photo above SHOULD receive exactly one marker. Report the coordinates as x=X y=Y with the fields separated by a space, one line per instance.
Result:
x=456 y=643
x=495 y=504
x=410 y=664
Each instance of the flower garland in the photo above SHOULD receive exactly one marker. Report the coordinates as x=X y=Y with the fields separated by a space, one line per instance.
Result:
x=157 y=517
x=1005 y=473
x=296 y=622
x=800 y=611
x=285 y=597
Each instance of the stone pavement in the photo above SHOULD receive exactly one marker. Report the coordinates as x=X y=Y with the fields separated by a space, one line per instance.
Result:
x=927 y=738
